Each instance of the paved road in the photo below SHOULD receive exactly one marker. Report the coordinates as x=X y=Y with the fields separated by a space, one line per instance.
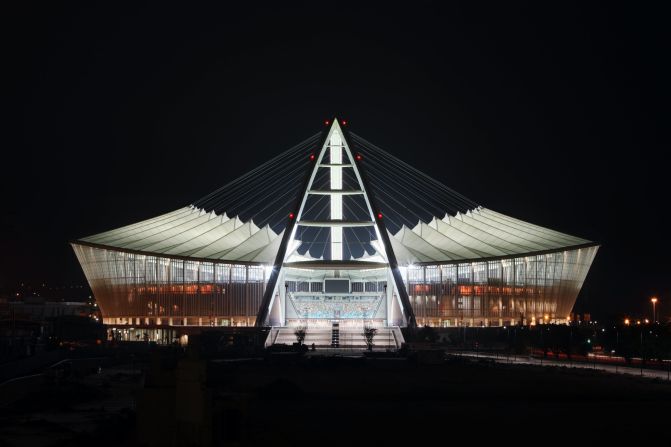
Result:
x=614 y=369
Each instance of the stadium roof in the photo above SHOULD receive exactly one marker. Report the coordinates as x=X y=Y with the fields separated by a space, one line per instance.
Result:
x=245 y=220
x=192 y=232
x=478 y=233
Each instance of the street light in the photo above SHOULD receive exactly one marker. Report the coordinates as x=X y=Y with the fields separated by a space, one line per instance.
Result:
x=653 y=300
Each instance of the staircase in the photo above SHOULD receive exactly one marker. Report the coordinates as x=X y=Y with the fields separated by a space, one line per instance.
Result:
x=386 y=338
x=335 y=335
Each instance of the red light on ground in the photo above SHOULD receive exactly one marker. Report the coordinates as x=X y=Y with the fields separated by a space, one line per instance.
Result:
x=326 y=122
x=358 y=157
x=379 y=215
x=312 y=157
x=291 y=215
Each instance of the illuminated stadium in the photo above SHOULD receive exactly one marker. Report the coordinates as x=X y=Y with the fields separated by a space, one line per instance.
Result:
x=332 y=233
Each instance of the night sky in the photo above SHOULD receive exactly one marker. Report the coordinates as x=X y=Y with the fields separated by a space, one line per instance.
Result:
x=554 y=116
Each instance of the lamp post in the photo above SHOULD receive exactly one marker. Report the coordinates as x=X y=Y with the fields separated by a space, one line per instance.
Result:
x=653 y=300
x=642 y=355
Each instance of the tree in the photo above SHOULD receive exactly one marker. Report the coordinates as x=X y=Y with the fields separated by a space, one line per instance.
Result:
x=369 y=334
x=300 y=335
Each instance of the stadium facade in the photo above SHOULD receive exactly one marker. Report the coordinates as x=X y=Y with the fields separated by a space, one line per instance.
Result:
x=334 y=232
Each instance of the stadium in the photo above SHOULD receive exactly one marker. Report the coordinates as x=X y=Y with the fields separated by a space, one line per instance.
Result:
x=332 y=235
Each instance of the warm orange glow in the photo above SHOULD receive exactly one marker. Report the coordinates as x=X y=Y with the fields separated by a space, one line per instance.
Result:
x=653 y=300
x=482 y=290
x=191 y=289
x=626 y=321
x=467 y=290
x=647 y=321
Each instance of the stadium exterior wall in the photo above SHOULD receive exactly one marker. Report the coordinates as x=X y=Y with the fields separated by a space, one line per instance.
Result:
x=537 y=288
x=142 y=289
x=146 y=290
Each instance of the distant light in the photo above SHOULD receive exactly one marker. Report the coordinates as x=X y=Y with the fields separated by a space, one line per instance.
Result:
x=647 y=321
x=626 y=321
x=379 y=215
x=291 y=215
x=344 y=122
x=653 y=299
x=589 y=341
x=326 y=122
x=312 y=157
x=358 y=157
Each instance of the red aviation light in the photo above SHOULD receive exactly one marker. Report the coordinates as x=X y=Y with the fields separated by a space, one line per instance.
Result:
x=379 y=215
x=358 y=157
x=326 y=122
x=312 y=157
x=344 y=122
x=291 y=216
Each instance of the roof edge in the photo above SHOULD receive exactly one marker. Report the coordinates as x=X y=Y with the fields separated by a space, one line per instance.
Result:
x=513 y=256
x=161 y=255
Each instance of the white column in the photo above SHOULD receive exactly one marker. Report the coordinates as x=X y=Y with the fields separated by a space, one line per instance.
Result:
x=336 y=199
x=389 y=297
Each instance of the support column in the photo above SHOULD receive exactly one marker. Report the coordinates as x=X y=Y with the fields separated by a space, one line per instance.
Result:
x=336 y=199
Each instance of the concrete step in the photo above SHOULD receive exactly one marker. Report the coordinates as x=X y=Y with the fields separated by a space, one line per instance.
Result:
x=347 y=337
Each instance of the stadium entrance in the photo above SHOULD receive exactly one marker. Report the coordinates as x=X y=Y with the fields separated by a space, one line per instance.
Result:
x=324 y=309
x=335 y=306
x=318 y=298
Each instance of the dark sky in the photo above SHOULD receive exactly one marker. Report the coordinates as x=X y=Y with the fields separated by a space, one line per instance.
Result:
x=554 y=116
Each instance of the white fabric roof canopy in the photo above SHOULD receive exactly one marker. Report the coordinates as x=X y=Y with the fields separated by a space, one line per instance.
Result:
x=480 y=233
x=190 y=231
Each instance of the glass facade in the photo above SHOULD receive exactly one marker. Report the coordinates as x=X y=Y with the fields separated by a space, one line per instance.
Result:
x=529 y=289
x=144 y=290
